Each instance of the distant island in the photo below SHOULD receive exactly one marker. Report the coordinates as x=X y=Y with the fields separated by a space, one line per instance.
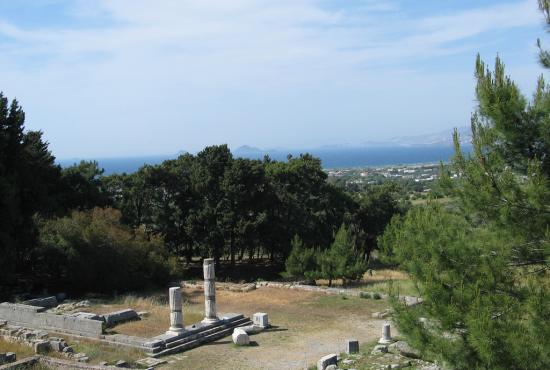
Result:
x=428 y=148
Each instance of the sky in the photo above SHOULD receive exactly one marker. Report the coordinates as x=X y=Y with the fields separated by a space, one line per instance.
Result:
x=115 y=78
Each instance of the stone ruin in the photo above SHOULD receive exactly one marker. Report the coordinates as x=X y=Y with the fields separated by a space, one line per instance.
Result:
x=177 y=338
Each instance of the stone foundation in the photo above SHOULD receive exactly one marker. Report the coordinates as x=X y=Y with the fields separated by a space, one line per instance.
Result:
x=33 y=317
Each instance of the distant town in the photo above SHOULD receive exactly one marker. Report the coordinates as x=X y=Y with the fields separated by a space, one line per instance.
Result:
x=417 y=179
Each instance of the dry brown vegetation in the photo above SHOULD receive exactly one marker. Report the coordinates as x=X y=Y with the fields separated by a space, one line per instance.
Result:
x=306 y=326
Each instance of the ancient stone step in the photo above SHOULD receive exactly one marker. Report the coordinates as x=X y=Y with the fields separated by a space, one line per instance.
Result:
x=202 y=339
x=207 y=332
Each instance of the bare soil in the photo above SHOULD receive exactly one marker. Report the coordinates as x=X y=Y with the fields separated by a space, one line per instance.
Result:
x=306 y=326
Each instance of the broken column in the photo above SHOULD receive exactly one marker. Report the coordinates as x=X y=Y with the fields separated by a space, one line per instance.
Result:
x=210 y=315
x=386 y=334
x=176 y=312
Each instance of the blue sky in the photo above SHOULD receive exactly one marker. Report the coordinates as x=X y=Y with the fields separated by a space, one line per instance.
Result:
x=109 y=78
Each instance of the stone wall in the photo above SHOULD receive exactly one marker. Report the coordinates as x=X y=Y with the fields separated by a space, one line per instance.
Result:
x=30 y=316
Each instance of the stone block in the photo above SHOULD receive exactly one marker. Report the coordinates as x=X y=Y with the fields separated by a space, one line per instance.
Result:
x=260 y=319
x=11 y=357
x=41 y=346
x=48 y=302
x=87 y=315
x=240 y=337
x=121 y=363
x=352 y=346
x=252 y=329
x=118 y=317
x=326 y=361
x=404 y=349
x=378 y=349
x=57 y=345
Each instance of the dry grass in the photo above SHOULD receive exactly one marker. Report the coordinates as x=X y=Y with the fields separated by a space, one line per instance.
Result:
x=21 y=350
x=98 y=352
x=156 y=322
x=306 y=326
x=380 y=281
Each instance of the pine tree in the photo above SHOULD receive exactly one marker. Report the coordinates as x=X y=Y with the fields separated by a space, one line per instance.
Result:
x=482 y=263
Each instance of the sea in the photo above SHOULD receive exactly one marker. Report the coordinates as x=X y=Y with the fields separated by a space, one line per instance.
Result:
x=331 y=158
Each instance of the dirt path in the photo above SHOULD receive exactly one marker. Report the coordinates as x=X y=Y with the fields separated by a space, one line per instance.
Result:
x=306 y=327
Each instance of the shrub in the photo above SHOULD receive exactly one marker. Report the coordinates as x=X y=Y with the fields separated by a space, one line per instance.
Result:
x=92 y=251
x=365 y=295
x=376 y=296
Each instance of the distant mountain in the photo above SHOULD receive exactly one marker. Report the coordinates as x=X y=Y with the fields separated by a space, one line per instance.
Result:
x=428 y=148
x=437 y=139
x=245 y=150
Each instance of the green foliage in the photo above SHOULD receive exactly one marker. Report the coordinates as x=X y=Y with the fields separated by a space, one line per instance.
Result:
x=93 y=251
x=482 y=263
x=342 y=260
x=28 y=182
x=83 y=186
x=377 y=205
x=365 y=295
x=302 y=261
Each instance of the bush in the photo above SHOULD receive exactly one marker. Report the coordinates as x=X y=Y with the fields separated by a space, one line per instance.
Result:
x=301 y=262
x=365 y=295
x=92 y=251
x=376 y=296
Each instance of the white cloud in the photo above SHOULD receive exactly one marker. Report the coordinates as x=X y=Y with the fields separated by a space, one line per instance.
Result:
x=170 y=61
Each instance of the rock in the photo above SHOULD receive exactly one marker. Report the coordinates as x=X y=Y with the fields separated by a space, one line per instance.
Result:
x=118 y=317
x=121 y=363
x=348 y=361
x=11 y=357
x=41 y=346
x=411 y=301
x=143 y=313
x=61 y=297
x=260 y=319
x=57 y=345
x=404 y=349
x=68 y=349
x=151 y=362
x=331 y=367
x=326 y=361
x=430 y=367
x=87 y=315
x=103 y=363
x=83 y=359
x=382 y=314
x=48 y=302
x=3 y=323
x=352 y=346
x=252 y=329
x=378 y=349
x=240 y=337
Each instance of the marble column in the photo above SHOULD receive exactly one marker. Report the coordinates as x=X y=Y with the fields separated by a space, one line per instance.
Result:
x=176 y=311
x=386 y=334
x=210 y=315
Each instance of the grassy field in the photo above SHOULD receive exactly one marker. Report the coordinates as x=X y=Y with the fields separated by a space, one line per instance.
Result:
x=306 y=326
x=380 y=281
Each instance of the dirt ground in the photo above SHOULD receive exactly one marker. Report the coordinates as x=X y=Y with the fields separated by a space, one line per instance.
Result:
x=306 y=326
